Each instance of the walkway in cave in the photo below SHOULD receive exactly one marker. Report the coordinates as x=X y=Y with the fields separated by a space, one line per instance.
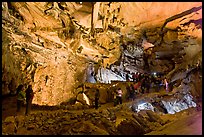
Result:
x=9 y=104
x=188 y=122
x=184 y=122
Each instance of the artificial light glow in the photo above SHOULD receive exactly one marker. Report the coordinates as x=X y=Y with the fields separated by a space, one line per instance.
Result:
x=86 y=99
x=144 y=106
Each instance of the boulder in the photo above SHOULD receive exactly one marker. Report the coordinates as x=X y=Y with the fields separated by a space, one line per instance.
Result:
x=86 y=128
x=153 y=117
x=130 y=127
x=141 y=121
x=9 y=119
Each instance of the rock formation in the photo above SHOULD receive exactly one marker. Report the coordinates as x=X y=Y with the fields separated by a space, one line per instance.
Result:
x=50 y=44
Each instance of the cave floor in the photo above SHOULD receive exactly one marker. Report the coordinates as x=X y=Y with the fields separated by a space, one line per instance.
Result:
x=186 y=122
x=9 y=106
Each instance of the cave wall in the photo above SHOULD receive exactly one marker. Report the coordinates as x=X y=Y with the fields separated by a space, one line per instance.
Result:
x=30 y=56
x=45 y=45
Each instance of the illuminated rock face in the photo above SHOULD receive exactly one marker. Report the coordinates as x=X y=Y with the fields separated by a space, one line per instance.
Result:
x=154 y=13
x=42 y=45
x=177 y=100
x=106 y=76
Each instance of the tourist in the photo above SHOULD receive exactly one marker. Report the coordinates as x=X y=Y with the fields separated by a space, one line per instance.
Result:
x=128 y=90
x=147 y=83
x=29 y=98
x=137 y=77
x=131 y=92
x=136 y=87
x=97 y=95
x=119 y=96
x=143 y=84
x=134 y=76
x=127 y=77
x=166 y=84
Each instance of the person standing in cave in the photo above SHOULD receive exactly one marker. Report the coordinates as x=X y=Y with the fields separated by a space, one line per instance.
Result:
x=119 y=96
x=166 y=85
x=136 y=88
x=29 y=98
x=145 y=58
x=127 y=77
x=130 y=92
x=134 y=76
x=20 y=97
x=97 y=95
x=147 y=83
x=143 y=83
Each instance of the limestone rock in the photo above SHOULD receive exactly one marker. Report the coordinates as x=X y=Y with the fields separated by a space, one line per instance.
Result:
x=170 y=36
x=10 y=119
x=128 y=127
x=153 y=117
x=40 y=43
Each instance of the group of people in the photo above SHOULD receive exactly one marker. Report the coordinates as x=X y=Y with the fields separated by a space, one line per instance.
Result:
x=24 y=97
x=139 y=84
x=142 y=82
